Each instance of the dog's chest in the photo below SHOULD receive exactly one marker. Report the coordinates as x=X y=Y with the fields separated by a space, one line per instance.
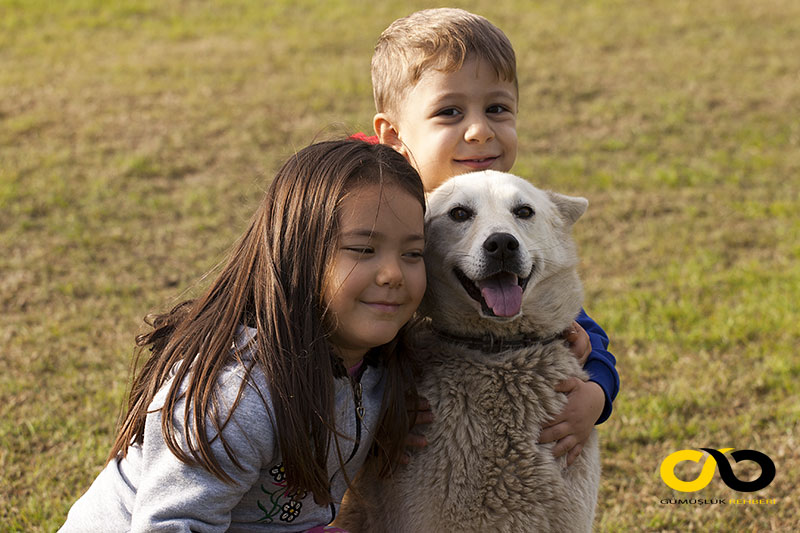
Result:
x=488 y=416
x=477 y=402
x=513 y=391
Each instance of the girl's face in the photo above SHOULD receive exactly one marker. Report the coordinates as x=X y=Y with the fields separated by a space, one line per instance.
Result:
x=377 y=278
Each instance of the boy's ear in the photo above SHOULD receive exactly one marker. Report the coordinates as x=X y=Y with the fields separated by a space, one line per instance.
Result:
x=387 y=133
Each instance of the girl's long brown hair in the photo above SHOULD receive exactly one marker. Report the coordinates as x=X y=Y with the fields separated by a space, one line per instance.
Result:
x=273 y=281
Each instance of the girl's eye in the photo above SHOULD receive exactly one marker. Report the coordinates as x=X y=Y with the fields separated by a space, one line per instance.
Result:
x=524 y=211
x=359 y=249
x=460 y=214
x=414 y=255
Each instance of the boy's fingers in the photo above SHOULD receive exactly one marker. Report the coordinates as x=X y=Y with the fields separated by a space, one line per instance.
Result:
x=578 y=340
x=553 y=423
x=571 y=333
x=568 y=385
x=421 y=412
x=416 y=441
x=423 y=417
x=584 y=346
x=565 y=445
x=574 y=453
x=412 y=441
x=559 y=449
x=421 y=404
x=553 y=432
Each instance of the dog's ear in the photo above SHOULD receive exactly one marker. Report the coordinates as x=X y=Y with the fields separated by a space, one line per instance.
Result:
x=570 y=207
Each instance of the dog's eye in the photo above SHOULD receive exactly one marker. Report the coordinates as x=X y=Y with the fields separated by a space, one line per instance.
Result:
x=460 y=214
x=523 y=211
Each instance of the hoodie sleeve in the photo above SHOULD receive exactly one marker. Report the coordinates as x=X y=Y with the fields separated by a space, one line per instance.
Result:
x=601 y=364
x=176 y=497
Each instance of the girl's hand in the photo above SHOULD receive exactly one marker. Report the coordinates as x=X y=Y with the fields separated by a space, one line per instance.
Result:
x=419 y=414
x=578 y=341
x=571 y=428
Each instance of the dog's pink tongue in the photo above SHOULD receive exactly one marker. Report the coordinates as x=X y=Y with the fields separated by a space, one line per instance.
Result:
x=502 y=294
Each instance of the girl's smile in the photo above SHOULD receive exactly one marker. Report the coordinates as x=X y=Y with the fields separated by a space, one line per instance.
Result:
x=384 y=307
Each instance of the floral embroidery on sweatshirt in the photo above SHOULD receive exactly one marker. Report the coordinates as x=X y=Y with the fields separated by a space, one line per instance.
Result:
x=282 y=503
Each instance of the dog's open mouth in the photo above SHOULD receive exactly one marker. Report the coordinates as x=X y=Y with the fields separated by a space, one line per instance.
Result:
x=499 y=295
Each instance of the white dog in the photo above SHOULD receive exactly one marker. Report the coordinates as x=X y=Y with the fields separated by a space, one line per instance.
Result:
x=502 y=285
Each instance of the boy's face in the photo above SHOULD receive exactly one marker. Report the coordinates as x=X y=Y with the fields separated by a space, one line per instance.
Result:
x=457 y=122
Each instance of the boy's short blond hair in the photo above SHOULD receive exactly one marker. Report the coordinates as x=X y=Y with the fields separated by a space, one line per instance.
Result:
x=442 y=39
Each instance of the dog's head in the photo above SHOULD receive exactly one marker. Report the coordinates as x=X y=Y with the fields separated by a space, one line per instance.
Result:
x=500 y=257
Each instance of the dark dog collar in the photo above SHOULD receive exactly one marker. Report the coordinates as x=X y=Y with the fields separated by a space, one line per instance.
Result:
x=493 y=344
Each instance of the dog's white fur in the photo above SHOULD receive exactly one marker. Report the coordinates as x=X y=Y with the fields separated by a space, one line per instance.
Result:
x=483 y=469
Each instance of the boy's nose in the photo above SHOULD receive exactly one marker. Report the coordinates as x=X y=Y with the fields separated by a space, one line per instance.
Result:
x=479 y=130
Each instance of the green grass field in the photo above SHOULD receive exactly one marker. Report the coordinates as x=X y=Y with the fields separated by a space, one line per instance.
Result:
x=136 y=137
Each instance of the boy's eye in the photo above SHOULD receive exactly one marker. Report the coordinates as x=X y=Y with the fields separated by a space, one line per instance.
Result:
x=460 y=214
x=497 y=109
x=448 y=112
x=523 y=211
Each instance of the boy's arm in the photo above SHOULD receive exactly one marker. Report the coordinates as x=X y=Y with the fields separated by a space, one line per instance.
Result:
x=601 y=364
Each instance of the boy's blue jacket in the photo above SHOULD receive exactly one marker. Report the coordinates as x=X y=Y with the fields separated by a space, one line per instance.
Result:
x=601 y=364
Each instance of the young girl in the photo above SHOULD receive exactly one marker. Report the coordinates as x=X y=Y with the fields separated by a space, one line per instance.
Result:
x=261 y=398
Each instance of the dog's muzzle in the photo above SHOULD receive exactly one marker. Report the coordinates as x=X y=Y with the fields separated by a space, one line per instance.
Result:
x=500 y=292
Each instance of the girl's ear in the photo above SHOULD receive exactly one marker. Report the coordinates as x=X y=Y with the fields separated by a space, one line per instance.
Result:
x=387 y=133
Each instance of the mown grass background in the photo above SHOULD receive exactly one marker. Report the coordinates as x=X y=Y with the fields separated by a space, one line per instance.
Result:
x=136 y=137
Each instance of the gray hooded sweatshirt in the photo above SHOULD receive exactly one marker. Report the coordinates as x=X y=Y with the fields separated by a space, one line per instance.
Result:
x=150 y=490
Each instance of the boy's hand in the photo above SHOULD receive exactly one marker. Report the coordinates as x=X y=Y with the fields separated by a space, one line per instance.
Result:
x=572 y=427
x=419 y=414
x=578 y=341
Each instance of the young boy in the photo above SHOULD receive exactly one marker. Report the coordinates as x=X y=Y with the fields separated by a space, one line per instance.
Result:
x=445 y=88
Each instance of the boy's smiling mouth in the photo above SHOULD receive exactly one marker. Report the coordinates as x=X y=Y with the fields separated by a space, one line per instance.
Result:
x=478 y=163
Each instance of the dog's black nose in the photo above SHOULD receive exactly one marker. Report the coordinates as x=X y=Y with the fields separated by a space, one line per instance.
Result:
x=499 y=245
